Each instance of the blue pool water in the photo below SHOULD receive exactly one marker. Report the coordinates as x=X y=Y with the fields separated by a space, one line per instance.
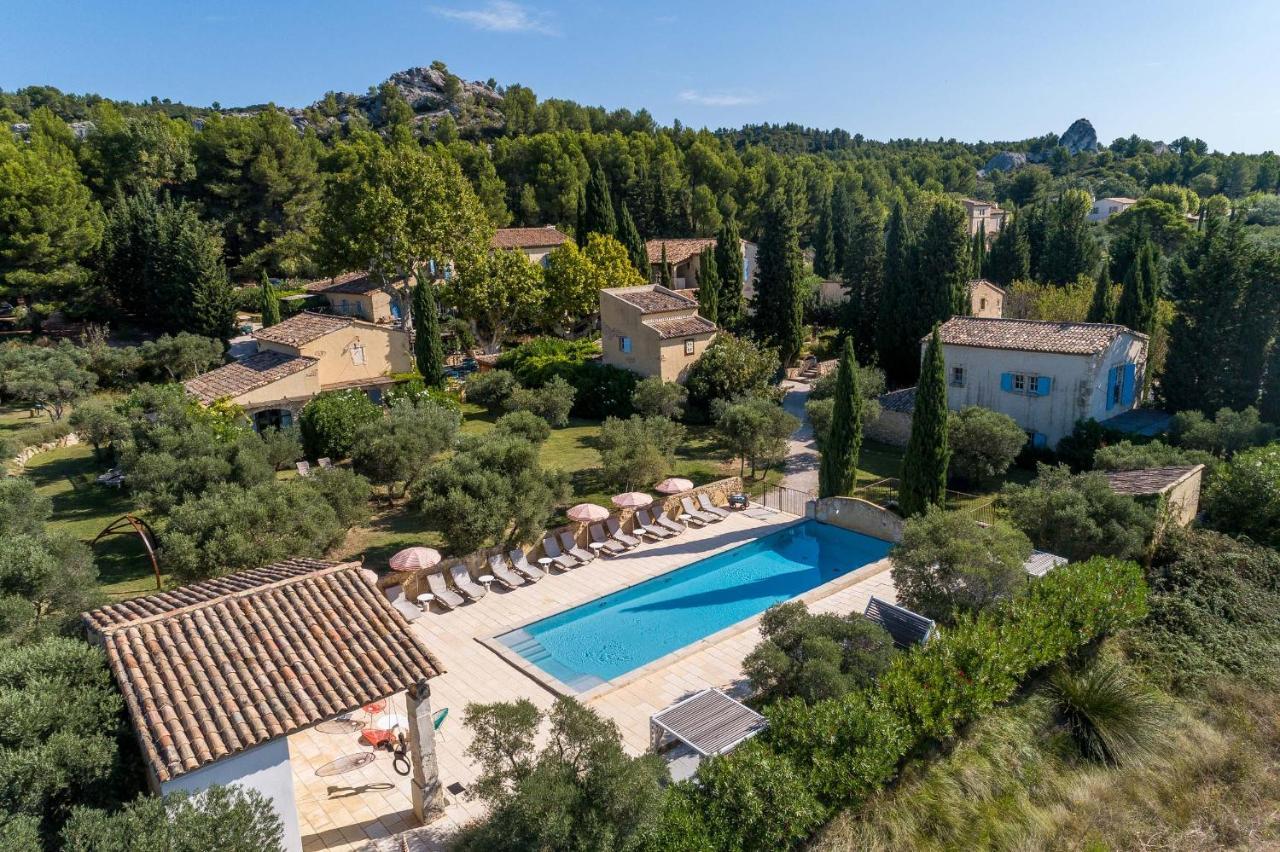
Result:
x=610 y=636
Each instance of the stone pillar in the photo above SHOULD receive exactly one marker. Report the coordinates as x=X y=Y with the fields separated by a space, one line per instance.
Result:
x=425 y=790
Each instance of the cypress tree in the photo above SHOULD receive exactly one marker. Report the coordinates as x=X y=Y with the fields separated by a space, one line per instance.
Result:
x=779 y=305
x=580 y=224
x=708 y=285
x=1270 y=405
x=428 y=351
x=841 y=226
x=631 y=240
x=1070 y=248
x=824 y=249
x=1102 y=308
x=863 y=274
x=942 y=269
x=898 y=350
x=838 y=472
x=599 y=206
x=979 y=250
x=190 y=277
x=1010 y=257
x=729 y=265
x=924 y=468
x=1137 y=306
x=664 y=269
x=270 y=302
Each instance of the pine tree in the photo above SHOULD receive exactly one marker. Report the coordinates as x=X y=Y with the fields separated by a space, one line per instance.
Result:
x=841 y=226
x=664 y=269
x=599 y=206
x=428 y=351
x=1010 y=256
x=924 y=467
x=838 y=472
x=708 y=285
x=1102 y=308
x=630 y=238
x=824 y=249
x=1070 y=248
x=729 y=263
x=1137 y=306
x=779 y=305
x=863 y=274
x=897 y=348
x=270 y=302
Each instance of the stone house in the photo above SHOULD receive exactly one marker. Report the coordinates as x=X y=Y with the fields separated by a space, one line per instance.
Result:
x=1179 y=487
x=984 y=215
x=893 y=426
x=301 y=357
x=986 y=299
x=1105 y=208
x=683 y=258
x=359 y=295
x=652 y=331
x=536 y=243
x=1045 y=375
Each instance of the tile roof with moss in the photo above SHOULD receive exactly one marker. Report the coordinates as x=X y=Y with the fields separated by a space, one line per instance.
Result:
x=1067 y=338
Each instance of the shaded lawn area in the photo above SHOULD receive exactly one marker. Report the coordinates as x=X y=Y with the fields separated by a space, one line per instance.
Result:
x=83 y=508
x=15 y=418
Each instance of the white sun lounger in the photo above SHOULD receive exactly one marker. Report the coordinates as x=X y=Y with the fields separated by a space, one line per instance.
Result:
x=571 y=547
x=444 y=595
x=504 y=575
x=523 y=566
x=462 y=582
x=610 y=546
x=686 y=503
x=705 y=504
x=615 y=530
x=558 y=559
x=646 y=525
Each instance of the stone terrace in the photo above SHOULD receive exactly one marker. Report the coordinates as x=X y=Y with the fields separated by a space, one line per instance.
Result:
x=347 y=811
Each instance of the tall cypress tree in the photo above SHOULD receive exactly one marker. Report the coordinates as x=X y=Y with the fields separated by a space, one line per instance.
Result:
x=1070 y=249
x=631 y=240
x=1010 y=256
x=1137 y=306
x=979 y=251
x=924 y=468
x=428 y=351
x=1270 y=405
x=942 y=268
x=824 y=248
x=599 y=205
x=580 y=224
x=729 y=264
x=841 y=225
x=664 y=269
x=779 y=305
x=708 y=285
x=1102 y=308
x=838 y=472
x=863 y=274
x=899 y=351
x=270 y=302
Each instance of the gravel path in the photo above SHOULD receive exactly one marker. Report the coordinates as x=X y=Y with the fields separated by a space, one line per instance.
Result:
x=801 y=469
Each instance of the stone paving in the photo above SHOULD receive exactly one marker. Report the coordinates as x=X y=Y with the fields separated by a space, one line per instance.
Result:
x=372 y=802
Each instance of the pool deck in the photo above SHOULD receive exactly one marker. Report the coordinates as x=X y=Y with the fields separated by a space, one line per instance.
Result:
x=370 y=803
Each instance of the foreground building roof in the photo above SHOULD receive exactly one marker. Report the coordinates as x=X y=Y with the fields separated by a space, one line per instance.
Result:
x=652 y=299
x=240 y=377
x=669 y=327
x=218 y=667
x=678 y=250
x=348 y=282
x=1067 y=338
x=525 y=238
x=1154 y=480
x=302 y=328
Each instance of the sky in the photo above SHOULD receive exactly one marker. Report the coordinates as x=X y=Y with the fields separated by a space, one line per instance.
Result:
x=972 y=71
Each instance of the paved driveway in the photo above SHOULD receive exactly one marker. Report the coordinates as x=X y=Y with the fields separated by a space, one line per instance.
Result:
x=801 y=469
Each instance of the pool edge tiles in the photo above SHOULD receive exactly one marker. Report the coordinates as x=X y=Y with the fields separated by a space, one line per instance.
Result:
x=519 y=645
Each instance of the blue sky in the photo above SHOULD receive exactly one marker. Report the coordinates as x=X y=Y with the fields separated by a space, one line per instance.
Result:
x=968 y=70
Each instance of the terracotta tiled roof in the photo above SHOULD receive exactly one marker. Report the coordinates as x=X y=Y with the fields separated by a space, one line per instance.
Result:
x=652 y=299
x=973 y=285
x=509 y=238
x=1068 y=338
x=973 y=202
x=678 y=250
x=1120 y=198
x=245 y=375
x=1155 y=480
x=347 y=282
x=231 y=671
x=669 y=327
x=902 y=401
x=302 y=328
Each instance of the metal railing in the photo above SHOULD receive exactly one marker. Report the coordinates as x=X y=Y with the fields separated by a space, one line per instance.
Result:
x=884 y=492
x=790 y=500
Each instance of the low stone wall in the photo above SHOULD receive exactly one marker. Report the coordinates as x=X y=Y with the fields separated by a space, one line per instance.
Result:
x=859 y=516
x=891 y=427
x=18 y=462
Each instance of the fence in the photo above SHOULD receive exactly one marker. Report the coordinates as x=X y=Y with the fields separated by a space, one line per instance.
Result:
x=789 y=500
x=884 y=492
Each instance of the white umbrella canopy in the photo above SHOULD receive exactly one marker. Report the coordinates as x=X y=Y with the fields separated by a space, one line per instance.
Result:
x=587 y=513
x=414 y=558
x=673 y=485
x=632 y=500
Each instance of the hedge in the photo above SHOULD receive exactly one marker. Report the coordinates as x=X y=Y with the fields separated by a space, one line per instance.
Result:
x=815 y=759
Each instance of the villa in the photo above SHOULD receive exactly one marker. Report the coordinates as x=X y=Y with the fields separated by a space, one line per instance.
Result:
x=360 y=295
x=535 y=243
x=984 y=216
x=986 y=299
x=684 y=261
x=1105 y=208
x=652 y=331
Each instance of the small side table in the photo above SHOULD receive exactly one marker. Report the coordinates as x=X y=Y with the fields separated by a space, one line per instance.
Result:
x=424 y=601
x=487 y=579
x=545 y=562
x=596 y=546
x=685 y=518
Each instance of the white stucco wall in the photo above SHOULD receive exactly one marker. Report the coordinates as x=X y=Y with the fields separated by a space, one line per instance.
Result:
x=1078 y=391
x=265 y=769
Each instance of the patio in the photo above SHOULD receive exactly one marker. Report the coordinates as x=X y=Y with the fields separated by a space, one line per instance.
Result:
x=371 y=802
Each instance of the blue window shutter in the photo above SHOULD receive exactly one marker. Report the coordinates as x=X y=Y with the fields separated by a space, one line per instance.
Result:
x=1111 y=382
x=1038 y=439
x=1126 y=384
x=1043 y=384
x=1006 y=382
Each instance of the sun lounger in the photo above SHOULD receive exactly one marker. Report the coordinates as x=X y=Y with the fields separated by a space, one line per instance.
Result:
x=615 y=530
x=610 y=546
x=686 y=503
x=462 y=582
x=571 y=547
x=504 y=575
x=558 y=559
x=705 y=504
x=445 y=596
x=521 y=564
x=674 y=527
x=648 y=526
x=304 y=468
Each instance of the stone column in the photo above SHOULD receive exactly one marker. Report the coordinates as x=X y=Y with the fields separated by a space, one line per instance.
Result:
x=428 y=798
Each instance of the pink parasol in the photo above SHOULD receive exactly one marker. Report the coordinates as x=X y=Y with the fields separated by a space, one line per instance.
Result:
x=587 y=513
x=632 y=500
x=414 y=558
x=674 y=485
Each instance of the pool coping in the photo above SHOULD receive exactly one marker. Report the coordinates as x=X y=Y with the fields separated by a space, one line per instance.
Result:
x=559 y=687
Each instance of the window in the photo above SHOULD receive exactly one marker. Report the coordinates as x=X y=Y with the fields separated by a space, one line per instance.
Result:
x=688 y=347
x=357 y=354
x=957 y=377
x=1019 y=383
x=1027 y=384
x=982 y=304
x=624 y=343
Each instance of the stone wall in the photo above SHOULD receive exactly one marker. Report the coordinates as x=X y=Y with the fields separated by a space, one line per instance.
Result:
x=891 y=427
x=859 y=516
x=18 y=462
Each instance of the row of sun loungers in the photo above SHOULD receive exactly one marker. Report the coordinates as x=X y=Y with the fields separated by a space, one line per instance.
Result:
x=563 y=552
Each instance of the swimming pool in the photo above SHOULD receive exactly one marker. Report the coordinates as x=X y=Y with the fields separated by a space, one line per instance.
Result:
x=612 y=635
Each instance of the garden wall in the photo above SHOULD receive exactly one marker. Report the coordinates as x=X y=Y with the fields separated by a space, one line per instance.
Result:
x=859 y=516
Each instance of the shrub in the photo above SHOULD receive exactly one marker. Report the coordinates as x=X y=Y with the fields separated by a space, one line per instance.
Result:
x=540 y=360
x=655 y=397
x=23 y=510
x=755 y=431
x=1110 y=714
x=100 y=424
x=397 y=448
x=284 y=446
x=523 y=424
x=552 y=402
x=346 y=492
x=1226 y=434
x=1127 y=455
x=412 y=389
x=1244 y=497
x=603 y=390
x=947 y=564
x=731 y=367
x=816 y=656
x=637 y=452
x=490 y=388
x=983 y=443
x=1077 y=516
x=226 y=819
x=870 y=384
x=331 y=421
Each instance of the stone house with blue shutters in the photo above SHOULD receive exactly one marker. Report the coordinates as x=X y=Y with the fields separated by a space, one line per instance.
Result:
x=1045 y=375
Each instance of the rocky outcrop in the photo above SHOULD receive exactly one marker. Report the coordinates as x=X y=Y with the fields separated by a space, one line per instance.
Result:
x=1005 y=161
x=1080 y=136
